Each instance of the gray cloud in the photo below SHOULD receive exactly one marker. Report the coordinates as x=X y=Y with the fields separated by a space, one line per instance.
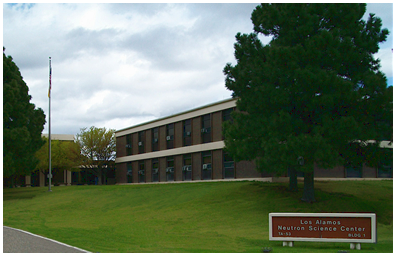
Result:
x=117 y=65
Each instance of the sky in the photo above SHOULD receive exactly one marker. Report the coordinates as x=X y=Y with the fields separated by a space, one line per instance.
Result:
x=119 y=65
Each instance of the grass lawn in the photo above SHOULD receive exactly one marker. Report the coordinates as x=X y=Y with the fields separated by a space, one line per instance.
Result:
x=189 y=217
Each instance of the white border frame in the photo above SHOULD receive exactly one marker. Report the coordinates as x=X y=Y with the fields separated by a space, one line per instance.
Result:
x=344 y=240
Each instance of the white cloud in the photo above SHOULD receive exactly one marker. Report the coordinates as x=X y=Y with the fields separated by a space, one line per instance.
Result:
x=117 y=65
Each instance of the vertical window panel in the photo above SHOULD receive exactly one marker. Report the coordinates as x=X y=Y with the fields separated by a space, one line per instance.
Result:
x=187 y=167
x=129 y=172
x=141 y=142
x=141 y=172
x=155 y=170
x=170 y=169
x=206 y=129
x=155 y=139
x=207 y=165
x=170 y=132
x=187 y=141
x=128 y=145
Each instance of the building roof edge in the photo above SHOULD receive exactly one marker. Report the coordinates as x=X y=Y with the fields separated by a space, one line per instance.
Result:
x=177 y=114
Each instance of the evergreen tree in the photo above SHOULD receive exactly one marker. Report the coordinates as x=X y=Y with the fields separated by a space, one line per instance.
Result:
x=22 y=123
x=310 y=92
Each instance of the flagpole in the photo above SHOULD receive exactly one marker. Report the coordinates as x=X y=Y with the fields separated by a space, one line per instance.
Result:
x=49 y=128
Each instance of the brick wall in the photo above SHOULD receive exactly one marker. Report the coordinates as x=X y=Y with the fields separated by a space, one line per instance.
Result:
x=216 y=126
x=162 y=137
x=178 y=138
x=162 y=169
x=196 y=166
x=196 y=130
x=147 y=170
x=148 y=141
x=337 y=172
x=369 y=172
x=121 y=173
x=135 y=149
x=217 y=164
x=246 y=169
x=178 y=167
x=120 y=146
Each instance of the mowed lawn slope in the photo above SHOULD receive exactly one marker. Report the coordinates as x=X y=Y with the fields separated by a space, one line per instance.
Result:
x=189 y=217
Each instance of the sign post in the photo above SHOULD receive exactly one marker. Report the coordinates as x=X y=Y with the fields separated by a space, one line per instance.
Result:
x=354 y=228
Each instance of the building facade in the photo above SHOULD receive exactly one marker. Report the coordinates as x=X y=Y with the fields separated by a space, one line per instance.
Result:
x=40 y=179
x=182 y=147
x=190 y=146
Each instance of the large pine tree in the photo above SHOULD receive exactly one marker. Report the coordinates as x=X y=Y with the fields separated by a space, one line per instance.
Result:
x=22 y=123
x=312 y=91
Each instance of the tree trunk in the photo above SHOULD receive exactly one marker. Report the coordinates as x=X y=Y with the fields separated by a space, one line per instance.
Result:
x=308 y=194
x=99 y=176
x=293 y=179
x=105 y=177
x=11 y=181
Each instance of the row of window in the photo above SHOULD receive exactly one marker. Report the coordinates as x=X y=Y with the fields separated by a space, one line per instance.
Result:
x=383 y=171
x=206 y=134
x=206 y=168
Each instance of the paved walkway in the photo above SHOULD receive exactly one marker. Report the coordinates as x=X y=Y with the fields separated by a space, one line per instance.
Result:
x=19 y=241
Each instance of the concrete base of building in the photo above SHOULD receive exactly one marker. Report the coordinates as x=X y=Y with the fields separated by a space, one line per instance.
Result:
x=267 y=179
x=341 y=179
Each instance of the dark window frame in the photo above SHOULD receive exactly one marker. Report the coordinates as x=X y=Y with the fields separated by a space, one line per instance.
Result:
x=128 y=145
x=354 y=170
x=142 y=171
x=226 y=114
x=206 y=130
x=155 y=138
x=187 y=167
x=226 y=117
x=187 y=133
x=170 y=173
x=170 y=134
x=129 y=172
x=141 y=141
x=155 y=170
x=206 y=159
x=228 y=166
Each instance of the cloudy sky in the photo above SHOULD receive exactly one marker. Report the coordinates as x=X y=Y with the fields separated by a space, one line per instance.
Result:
x=118 y=65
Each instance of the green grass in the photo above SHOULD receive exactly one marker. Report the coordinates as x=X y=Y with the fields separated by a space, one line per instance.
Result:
x=189 y=217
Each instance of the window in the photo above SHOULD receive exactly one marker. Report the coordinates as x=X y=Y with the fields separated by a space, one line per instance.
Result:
x=141 y=172
x=229 y=168
x=128 y=145
x=187 y=167
x=227 y=114
x=385 y=165
x=353 y=171
x=141 y=142
x=169 y=136
x=155 y=170
x=187 y=141
x=205 y=130
x=207 y=165
x=129 y=172
x=155 y=139
x=170 y=169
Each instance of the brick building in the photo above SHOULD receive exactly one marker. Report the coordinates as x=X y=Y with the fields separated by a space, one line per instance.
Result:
x=189 y=146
